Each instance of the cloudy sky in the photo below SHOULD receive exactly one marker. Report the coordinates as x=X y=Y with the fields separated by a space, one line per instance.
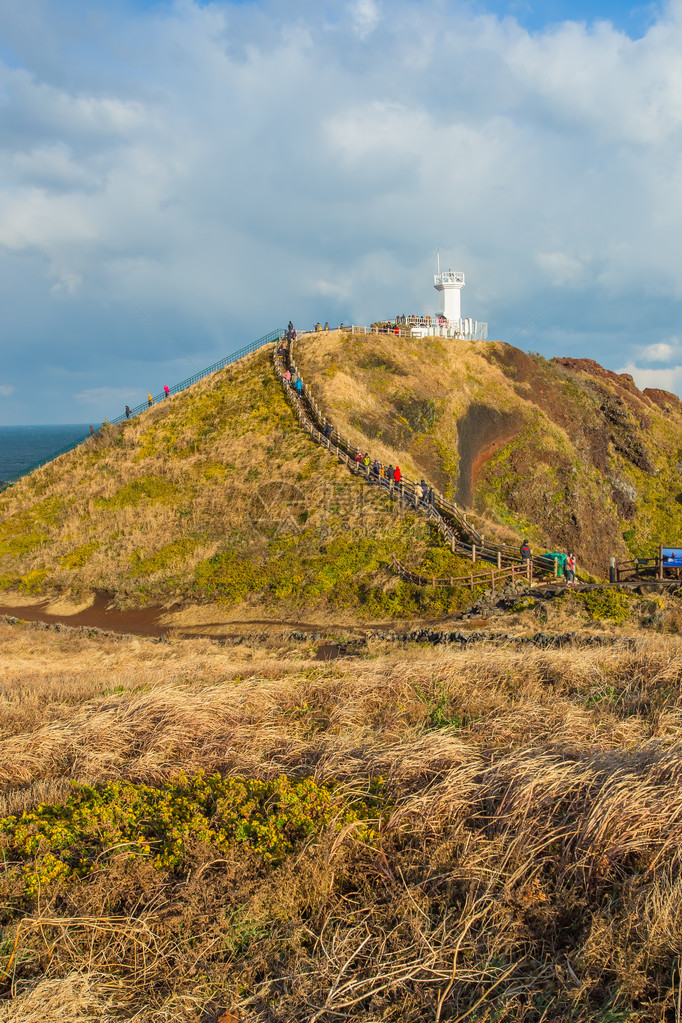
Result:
x=228 y=166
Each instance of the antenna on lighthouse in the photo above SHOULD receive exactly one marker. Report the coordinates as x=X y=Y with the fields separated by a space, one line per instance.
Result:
x=438 y=259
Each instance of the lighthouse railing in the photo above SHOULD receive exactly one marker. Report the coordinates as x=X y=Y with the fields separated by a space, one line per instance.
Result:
x=472 y=330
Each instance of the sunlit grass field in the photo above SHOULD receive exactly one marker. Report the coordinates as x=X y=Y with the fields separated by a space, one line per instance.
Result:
x=413 y=834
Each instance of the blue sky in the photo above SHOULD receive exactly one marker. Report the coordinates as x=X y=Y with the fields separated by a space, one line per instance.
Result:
x=229 y=166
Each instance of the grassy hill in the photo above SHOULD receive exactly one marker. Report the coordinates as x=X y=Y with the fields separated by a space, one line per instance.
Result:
x=562 y=452
x=215 y=495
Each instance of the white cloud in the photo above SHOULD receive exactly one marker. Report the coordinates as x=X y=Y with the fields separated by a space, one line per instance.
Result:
x=563 y=269
x=365 y=16
x=105 y=396
x=662 y=351
x=68 y=284
x=229 y=166
x=669 y=379
x=337 y=291
x=6 y=390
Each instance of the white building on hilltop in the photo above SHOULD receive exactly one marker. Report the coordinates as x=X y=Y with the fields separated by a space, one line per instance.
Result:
x=448 y=321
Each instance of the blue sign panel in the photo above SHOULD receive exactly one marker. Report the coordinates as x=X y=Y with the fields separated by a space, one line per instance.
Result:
x=671 y=557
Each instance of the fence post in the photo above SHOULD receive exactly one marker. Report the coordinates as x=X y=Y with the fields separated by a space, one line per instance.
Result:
x=499 y=559
x=473 y=555
x=556 y=568
x=452 y=543
x=612 y=570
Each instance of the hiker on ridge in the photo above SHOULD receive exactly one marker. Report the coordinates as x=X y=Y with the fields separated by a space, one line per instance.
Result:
x=358 y=456
x=397 y=476
x=298 y=386
x=525 y=553
x=389 y=474
x=166 y=390
x=127 y=411
x=418 y=494
x=569 y=570
x=150 y=400
x=366 y=460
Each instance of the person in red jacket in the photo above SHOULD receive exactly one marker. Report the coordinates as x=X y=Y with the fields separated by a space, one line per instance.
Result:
x=396 y=474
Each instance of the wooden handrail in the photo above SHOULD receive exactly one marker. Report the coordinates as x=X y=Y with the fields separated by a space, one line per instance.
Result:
x=473 y=579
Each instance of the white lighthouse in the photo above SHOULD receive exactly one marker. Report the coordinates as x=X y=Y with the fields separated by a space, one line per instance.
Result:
x=447 y=322
x=449 y=286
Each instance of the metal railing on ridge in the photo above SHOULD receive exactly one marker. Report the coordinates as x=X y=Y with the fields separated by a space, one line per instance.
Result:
x=253 y=346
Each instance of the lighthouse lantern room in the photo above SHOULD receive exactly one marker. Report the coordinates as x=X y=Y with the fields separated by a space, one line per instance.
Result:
x=449 y=286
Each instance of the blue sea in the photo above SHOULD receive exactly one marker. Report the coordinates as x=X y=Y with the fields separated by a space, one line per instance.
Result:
x=21 y=446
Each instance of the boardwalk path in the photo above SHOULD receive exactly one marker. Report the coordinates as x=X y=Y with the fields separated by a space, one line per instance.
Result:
x=452 y=523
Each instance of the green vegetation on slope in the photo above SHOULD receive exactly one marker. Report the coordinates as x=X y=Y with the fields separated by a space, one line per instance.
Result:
x=217 y=495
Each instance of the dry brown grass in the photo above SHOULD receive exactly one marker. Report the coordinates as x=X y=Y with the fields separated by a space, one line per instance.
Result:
x=530 y=864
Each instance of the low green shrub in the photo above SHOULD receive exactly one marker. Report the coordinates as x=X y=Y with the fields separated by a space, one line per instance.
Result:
x=18 y=544
x=79 y=556
x=64 y=841
x=150 y=488
x=606 y=604
x=524 y=604
x=228 y=578
x=178 y=550
x=32 y=581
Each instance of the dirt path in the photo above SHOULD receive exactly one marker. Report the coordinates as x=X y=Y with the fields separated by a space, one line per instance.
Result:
x=149 y=622
x=139 y=621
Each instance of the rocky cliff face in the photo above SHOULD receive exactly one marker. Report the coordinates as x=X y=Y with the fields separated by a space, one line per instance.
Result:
x=562 y=451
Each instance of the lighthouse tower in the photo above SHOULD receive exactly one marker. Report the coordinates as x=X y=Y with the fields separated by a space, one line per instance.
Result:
x=449 y=286
x=448 y=320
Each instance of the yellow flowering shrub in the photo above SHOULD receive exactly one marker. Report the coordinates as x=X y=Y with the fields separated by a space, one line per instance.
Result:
x=271 y=818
